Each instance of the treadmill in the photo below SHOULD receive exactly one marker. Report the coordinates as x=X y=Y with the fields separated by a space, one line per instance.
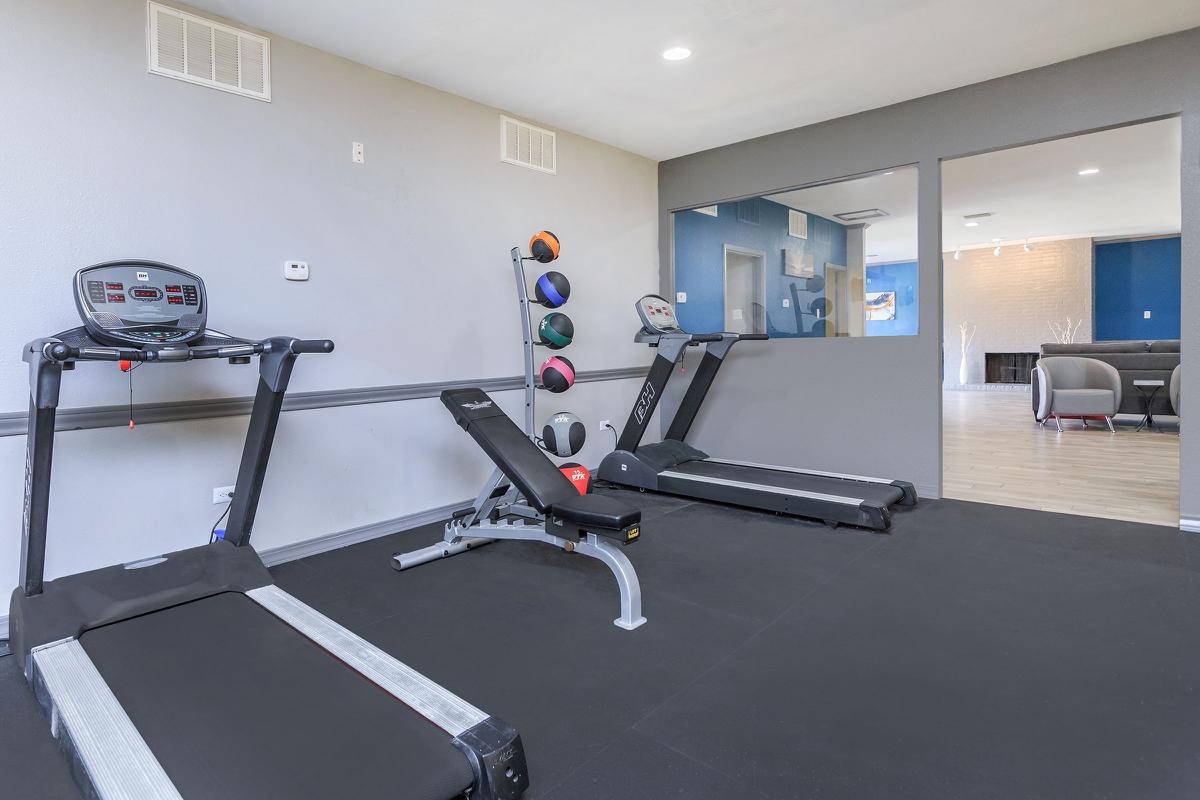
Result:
x=191 y=675
x=673 y=466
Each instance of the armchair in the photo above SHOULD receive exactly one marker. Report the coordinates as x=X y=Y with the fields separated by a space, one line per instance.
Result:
x=1174 y=390
x=1071 y=387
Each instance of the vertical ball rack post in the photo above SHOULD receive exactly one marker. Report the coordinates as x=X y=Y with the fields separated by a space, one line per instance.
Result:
x=527 y=336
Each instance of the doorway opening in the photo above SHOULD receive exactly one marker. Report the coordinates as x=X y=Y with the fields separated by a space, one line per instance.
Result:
x=745 y=290
x=1061 y=307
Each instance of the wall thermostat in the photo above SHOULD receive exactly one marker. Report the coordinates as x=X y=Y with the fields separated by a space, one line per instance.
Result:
x=295 y=270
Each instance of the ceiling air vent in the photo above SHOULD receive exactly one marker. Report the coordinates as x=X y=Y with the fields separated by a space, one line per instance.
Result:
x=526 y=146
x=859 y=216
x=980 y=215
x=197 y=50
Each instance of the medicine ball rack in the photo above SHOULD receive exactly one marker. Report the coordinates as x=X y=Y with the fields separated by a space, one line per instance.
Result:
x=501 y=511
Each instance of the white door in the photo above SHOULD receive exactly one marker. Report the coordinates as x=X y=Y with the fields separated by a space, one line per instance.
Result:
x=745 y=289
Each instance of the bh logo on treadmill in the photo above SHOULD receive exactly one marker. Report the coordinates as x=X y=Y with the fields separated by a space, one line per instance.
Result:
x=143 y=276
x=643 y=403
x=479 y=405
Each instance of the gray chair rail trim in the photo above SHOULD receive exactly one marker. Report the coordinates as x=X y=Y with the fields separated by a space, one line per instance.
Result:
x=73 y=419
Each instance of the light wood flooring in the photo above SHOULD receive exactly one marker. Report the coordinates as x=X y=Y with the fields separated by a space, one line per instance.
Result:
x=994 y=452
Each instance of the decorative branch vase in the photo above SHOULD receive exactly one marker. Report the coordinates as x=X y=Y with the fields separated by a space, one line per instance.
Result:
x=966 y=340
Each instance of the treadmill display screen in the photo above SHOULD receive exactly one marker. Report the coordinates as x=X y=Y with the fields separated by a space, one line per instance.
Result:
x=658 y=315
x=139 y=302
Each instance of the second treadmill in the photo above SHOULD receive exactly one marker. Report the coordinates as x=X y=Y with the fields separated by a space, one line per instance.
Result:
x=675 y=467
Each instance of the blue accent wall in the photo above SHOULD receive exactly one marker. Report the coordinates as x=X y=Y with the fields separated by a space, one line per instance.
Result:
x=900 y=278
x=700 y=263
x=1132 y=277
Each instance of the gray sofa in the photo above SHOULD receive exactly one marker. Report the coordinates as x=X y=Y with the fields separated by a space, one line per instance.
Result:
x=1136 y=360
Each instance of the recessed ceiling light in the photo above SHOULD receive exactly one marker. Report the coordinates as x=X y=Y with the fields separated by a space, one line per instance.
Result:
x=891 y=172
x=676 y=54
x=1089 y=171
x=971 y=224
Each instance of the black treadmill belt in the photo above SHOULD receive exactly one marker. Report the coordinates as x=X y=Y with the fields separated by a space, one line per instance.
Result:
x=235 y=704
x=875 y=494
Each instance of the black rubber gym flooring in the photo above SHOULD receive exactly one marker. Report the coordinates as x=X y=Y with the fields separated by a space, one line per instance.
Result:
x=977 y=652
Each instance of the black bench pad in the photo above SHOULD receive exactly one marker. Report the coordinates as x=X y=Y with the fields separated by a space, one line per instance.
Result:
x=596 y=511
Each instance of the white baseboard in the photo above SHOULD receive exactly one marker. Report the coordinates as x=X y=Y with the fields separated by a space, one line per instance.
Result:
x=333 y=541
x=927 y=492
x=1189 y=525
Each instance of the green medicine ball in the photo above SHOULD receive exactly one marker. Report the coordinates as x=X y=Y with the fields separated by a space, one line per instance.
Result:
x=556 y=330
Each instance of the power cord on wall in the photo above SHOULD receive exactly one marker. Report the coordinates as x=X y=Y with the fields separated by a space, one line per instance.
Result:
x=616 y=436
x=212 y=536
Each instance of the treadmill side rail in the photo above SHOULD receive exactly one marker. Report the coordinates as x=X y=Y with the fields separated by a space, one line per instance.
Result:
x=906 y=487
x=110 y=757
x=493 y=748
x=439 y=705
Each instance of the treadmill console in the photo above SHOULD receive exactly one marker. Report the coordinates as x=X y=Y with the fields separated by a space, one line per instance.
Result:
x=140 y=303
x=658 y=315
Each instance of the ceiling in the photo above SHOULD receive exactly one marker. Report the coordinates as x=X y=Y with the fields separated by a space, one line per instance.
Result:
x=1036 y=191
x=758 y=66
x=1033 y=192
x=890 y=238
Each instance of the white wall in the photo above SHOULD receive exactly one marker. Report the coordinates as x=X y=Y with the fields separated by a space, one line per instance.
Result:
x=1011 y=299
x=101 y=160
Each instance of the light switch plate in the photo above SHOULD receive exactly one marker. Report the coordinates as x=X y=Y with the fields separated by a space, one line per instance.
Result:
x=1145 y=315
x=787 y=303
x=681 y=297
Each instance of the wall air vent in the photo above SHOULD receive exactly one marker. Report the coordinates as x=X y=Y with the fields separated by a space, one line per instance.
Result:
x=749 y=213
x=193 y=49
x=860 y=216
x=528 y=146
x=797 y=224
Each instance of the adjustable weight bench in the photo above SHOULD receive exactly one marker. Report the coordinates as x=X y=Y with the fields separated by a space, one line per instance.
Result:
x=528 y=498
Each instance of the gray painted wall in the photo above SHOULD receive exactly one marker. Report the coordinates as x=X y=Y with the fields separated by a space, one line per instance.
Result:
x=874 y=404
x=102 y=160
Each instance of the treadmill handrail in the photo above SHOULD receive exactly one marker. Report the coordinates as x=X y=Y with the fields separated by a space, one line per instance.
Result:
x=47 y=358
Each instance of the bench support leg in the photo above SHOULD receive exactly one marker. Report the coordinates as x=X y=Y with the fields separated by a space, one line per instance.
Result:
x=627 y=579
x=457 y=540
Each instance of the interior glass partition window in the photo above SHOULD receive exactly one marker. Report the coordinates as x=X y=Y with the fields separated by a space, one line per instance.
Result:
x=834 y=260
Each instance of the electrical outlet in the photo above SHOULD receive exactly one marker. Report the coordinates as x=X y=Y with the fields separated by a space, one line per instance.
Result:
x=223 y=494
x=605 y=424
x=356 y=153
x=787 y=303
x=681 y=297
x=1145 y=315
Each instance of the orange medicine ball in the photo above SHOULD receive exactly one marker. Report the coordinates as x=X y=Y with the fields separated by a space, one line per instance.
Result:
x=544 y=246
